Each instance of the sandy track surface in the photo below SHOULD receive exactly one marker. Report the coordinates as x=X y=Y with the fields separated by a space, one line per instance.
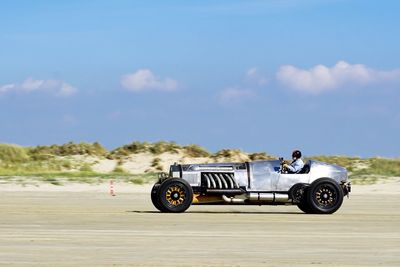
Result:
x=95 y=229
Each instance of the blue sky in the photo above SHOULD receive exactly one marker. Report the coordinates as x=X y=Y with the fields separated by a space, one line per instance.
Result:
x=322 y=76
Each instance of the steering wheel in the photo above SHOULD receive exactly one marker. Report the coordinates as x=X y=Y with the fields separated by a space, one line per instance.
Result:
x=282 y=169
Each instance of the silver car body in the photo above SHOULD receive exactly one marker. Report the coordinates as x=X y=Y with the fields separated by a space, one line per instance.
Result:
x=256 y=176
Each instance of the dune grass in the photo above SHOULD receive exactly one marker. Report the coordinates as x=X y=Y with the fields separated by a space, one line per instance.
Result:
x=195 y=151
x=50 y=164
x=141 y=147
x=56 y=163
x=70 y=148
x=260 y=156
x=13 y=153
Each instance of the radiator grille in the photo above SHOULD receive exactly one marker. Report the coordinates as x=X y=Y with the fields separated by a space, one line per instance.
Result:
x=219 y=180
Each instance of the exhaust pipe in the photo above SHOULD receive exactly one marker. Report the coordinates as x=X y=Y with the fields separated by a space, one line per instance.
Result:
x=233 y=200
x=225 y=191
x=258 y=198
x=269 y=197
x=281 y=198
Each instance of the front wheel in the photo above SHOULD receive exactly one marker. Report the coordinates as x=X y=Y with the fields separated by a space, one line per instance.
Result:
x=154 y=197
x=174 y=195
x=325 y=196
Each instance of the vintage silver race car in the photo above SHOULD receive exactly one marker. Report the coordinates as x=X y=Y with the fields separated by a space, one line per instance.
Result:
x=318 y=188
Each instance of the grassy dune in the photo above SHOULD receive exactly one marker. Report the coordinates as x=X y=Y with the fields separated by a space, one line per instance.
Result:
x=58 y=164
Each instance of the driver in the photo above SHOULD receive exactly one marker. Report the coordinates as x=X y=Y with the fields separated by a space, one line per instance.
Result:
x=297 y=163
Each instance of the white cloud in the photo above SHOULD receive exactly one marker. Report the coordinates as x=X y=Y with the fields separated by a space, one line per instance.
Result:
x=7 y=88
x=322 y=78
x=57 y=87
x=235 y=95
x=253 y=75
x=66 y=90
x=145 y=80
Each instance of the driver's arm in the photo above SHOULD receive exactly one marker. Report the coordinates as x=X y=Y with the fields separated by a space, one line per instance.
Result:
x=290 y=168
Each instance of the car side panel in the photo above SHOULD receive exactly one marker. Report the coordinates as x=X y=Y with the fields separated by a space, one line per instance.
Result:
x=325 y=170
x=263 y=175
x=286 y=181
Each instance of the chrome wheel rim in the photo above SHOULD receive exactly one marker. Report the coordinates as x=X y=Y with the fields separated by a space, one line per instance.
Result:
x=326 y=196
x=175 y=195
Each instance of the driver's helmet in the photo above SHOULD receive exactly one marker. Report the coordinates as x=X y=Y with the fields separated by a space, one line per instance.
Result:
x=296 y=154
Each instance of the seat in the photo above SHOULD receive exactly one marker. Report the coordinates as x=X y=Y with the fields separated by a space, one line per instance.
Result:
x=305 y=169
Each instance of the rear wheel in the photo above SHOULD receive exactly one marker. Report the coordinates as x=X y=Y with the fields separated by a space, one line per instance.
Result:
x=174 y=195
x=298 y=194
x=325 y=196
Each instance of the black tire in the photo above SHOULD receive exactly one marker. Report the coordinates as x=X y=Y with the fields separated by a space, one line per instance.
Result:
x=304 y=207
x=154 y=194
x=325 y=196
x=298 y=195
x=303 y=202
x=297 y=192
x=174 y=195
